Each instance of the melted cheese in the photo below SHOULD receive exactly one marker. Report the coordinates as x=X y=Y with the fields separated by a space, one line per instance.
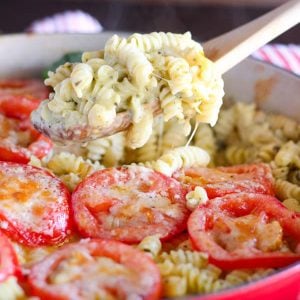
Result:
x=28 y=198
x=251 y=231
x=97 y=277
x=10 y=290
x=136 y=202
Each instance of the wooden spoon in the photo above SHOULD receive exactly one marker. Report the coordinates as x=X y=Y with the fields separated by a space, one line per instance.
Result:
x=226 y=51
x=229 y=49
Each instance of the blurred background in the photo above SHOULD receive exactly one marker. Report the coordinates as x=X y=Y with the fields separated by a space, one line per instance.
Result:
x=204 y=18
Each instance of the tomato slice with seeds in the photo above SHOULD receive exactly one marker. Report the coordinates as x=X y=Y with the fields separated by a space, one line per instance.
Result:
x=19 y=140
x=96 y=269
x=128 y=204
x=18 y=98
x=246 y=231
x=8 y=259
x=34 y=205
x=252 y=178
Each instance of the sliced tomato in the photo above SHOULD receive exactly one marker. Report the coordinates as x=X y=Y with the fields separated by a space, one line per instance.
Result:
x=96 y=269
x=128 y=204
x=41 y=146
x=253 y=178
x=34 y=205
x=246 y=231
x=19 y=140
x=18 y=98
x=180 y=241
x=8 y=259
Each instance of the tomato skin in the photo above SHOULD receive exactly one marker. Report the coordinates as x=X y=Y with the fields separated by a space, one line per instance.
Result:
x=41 y=146
x=8 y=259
x=253 y=178
x=125 y=255
x=44 y=201
x=201 y=227
x=18 y=107
x=12 y=151
x=14 y=155
x=94 y=206
x=18 y=98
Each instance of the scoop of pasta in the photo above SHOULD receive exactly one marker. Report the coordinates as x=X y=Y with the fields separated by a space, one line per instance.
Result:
x=124 y=86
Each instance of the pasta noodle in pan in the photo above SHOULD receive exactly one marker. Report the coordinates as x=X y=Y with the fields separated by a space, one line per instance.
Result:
x=131 y=72
x=183 y=270
x=127 y=74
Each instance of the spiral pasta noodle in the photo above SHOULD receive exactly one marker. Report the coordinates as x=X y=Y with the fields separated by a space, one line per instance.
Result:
x=285 y=189
x=290 y=128
x=71 y=169
x=292 y=204
x=178 y=158
x=289 y=154
x=133 y=58
x=81 y=78
x=151 y=244
x=61 y=73
x=11 y=290
x=204 y=138
x=225 y=124
x=170 y=104
x=195 y=258
x=196 y=197
x=239 y=154
x=173 y=136
x=130 y=73
x=159 y=40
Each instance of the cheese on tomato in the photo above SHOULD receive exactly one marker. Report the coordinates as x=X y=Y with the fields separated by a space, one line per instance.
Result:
x=11 y=290
x=24 y=196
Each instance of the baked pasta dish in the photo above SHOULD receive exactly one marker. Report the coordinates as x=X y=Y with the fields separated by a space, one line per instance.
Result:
x=192 y=200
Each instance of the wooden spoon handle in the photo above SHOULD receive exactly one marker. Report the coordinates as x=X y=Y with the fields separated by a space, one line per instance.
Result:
x=230 y=48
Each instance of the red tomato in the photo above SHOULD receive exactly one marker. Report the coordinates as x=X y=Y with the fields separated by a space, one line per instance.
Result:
x=41 y=146
x=18 y=98
x=254 y=178
x=19 y=140
x=128 y=204
x=246 y=231
x=34 y=205
x=180 y=241
x=96 y=269
x=8 y=259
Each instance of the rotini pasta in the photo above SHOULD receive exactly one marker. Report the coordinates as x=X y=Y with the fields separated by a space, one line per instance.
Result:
x=290 y=128
x=178 y=158
x=197 y=259
x=150 y=244
x=196 y=197
x=81 y=78
x=173 y=136
x=61 y=73
x=71 y=169
x=135 y=138
x=11 y=290
x=126 y=75
x=288 y=155
x=239 y=154
x=130 y=73
x=285 y=189
x=292 y=204
x=226 y=124
x=204 y=138
x=192 y=273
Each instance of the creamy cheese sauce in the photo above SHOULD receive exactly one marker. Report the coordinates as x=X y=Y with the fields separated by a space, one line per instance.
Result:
x=27 y=198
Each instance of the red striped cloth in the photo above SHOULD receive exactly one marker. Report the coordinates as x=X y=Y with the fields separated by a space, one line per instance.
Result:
x=67 y=22
x=284 y=56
